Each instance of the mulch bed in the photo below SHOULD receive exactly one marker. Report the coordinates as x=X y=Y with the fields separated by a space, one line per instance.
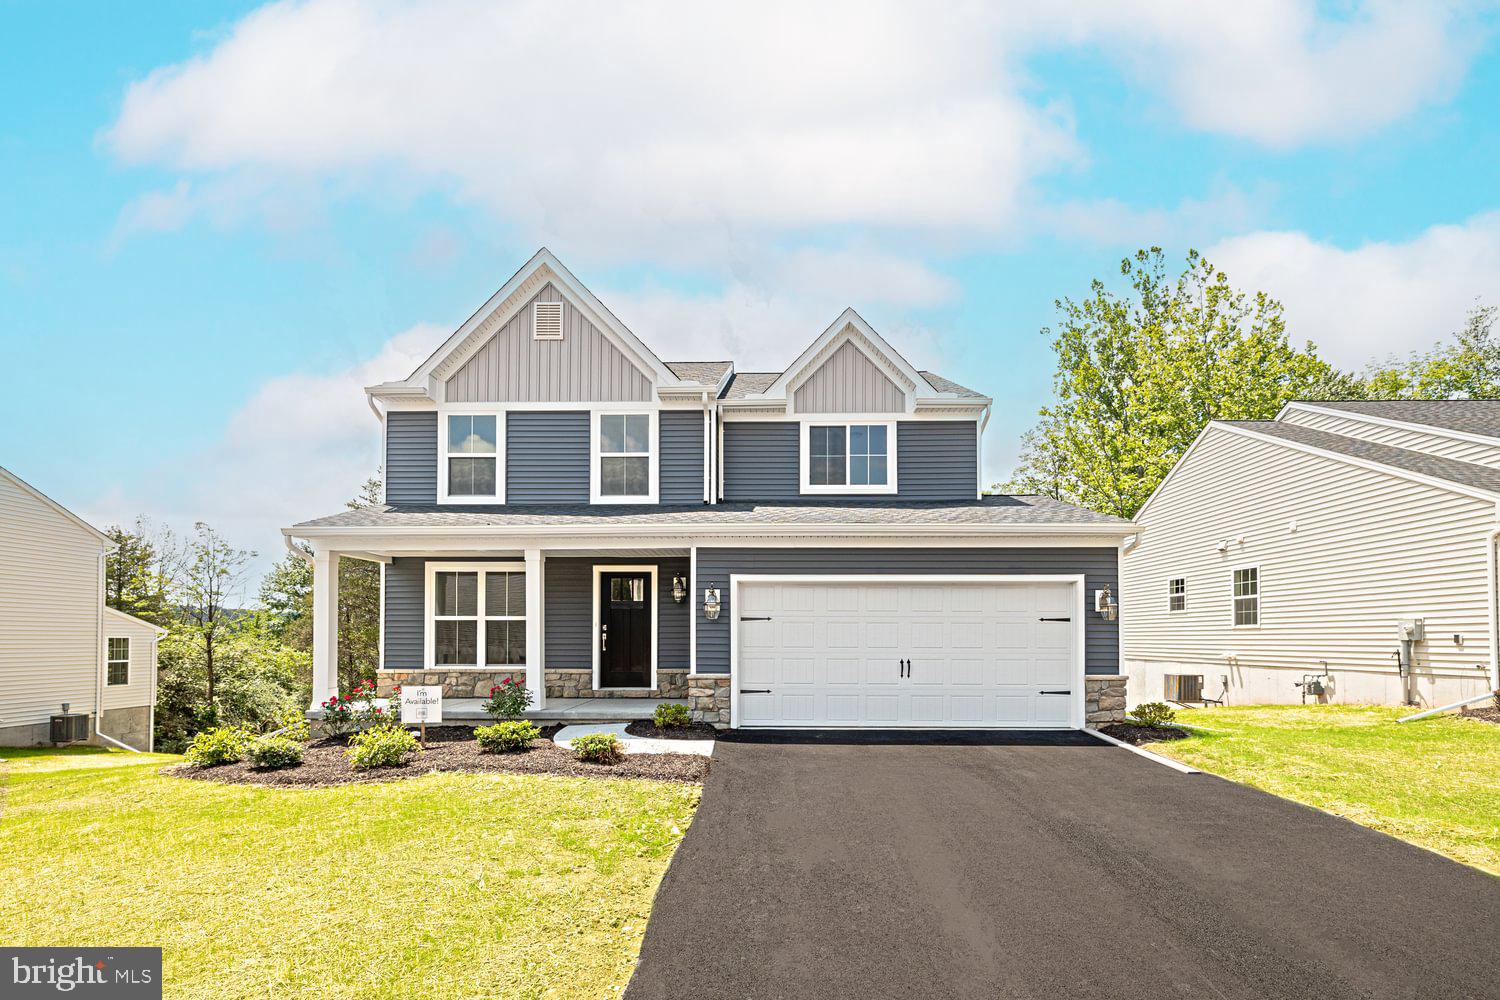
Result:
x=693 y=731
x=450 y=748
x=1483 y=712
x=1137 y=736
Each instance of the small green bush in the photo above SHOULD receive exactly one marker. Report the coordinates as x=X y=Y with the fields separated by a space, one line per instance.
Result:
x=601 y=748
x=273 y=752
x=1153 y=714
x=293 y=724
x=220 y=745
x=383 y=746
x=671 y=716
x=506 y=737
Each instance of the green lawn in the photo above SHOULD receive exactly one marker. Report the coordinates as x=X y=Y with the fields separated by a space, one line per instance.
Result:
x=1435 y=782
x=451 y=885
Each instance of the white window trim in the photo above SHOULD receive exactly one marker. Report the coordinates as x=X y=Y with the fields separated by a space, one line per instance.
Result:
x=470 y=411
x=847 y=420
x=596 y=477
x=1258 y=592
x=429 y=643
x=1173 y=579
x=599 y=570
x=109 y=662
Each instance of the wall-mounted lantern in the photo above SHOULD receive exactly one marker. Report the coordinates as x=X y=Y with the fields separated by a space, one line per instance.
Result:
x=711 y=603
x=1106 y=605
x=679 y=589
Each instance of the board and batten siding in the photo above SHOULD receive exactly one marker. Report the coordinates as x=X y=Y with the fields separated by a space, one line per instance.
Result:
x=935 y=460
x=1099 y=566
x=681 y=433
x=849 y=382
x=49 y=610
x=584 y=366
x=411 y=457
x=1429 y=443
x=569 y=622
x=547 y=457
x=142 y=662
x=1343 y=553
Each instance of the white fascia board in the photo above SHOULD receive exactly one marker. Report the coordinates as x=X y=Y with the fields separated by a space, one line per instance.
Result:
x=710 y=534
x=849 y=318
x=1387 y=422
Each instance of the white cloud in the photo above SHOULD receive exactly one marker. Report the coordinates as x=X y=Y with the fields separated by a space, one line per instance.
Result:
x=1376 y=299
x=299 y=447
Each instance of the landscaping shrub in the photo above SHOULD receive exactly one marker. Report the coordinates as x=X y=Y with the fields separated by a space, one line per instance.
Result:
x=508 y=699
x=338 y=715
x=220 y=745
x=509 y=736
x=601 y=748
x=273 y=752
x=383 y=746
x=671 y=716
x=293 y=725
x=1153 y=715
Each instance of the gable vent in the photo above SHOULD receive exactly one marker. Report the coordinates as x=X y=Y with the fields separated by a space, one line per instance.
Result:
x=547 y=320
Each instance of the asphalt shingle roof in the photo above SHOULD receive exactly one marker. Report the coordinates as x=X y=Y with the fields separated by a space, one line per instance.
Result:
x=704 y=372
x=743 y=384
x=948 y=385
x=1451 y=470
x=1469 y=416
x=991 y=511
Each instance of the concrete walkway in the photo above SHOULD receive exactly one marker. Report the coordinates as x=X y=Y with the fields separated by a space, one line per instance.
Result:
x=634 y=744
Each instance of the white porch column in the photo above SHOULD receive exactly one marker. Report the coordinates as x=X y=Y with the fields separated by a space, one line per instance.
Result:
x=536 y=647
x=325 y=611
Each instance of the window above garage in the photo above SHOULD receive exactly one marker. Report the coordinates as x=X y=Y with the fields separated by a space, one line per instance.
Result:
x=853 y=457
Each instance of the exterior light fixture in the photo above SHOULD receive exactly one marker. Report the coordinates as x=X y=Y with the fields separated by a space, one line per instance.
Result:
x=1106 y=605
x=711 y=603
x=679 y=589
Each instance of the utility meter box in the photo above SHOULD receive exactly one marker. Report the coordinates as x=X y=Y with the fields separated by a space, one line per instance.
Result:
x=1411 y=629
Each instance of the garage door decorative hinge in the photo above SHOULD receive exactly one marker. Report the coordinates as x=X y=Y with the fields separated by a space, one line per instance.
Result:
x=1054 y=619
x=755 y=690
x=1055 y=692
x=746 y=618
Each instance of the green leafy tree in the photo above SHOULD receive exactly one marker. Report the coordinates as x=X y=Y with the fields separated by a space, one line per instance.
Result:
x=212 y=574
x=1468 y=367
x=1140 y=374
x=137 y=574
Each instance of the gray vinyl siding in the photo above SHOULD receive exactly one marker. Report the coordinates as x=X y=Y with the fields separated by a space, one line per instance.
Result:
x=849 y=382
x=568 y=622
x=937 y=459
x=681 y=456
x=584 y=366
x=411 y=449
x=547 y=457
x=1099 y=565
x=760 y=460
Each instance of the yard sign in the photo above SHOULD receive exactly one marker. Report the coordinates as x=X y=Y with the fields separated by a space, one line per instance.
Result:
x=422 y=704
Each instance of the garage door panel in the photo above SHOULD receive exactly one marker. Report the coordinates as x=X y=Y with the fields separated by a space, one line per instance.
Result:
x=759 y=671
x=1051 y=673
x=883 y=709
x=845 y=670
x=795 y=634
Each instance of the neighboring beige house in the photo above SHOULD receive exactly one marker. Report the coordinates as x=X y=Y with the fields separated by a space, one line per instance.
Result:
x=1343 y=552
x=59 y=645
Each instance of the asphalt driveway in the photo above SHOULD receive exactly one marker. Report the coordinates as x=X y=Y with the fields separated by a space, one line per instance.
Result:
x=1053 y=866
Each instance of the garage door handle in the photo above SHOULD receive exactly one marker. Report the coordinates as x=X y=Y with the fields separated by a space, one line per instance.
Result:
x=755 y=690
x=745 y=619
x=1054 y=619
x=1054 y=692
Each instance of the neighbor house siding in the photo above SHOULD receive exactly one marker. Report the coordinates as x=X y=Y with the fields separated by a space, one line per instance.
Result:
x=849 y=382
x=570 y=612
x=681 y=456
x=1343 y=553
x=584 y=366
x=411 y=457
x=760 y=460
x=1430 y=443
x=715 y=566
x=142 y=662
x=547 y=457
x=49 y=610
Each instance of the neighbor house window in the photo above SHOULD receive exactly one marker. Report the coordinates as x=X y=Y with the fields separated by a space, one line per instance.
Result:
x=117 y=664
x=1247 y=596
x=478 y=615
x=849 y=458
x=471 y=455
x=1177 y=594
x=623 y=456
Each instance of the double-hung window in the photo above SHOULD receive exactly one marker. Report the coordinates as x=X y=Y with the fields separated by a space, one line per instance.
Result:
x=471 y=457
x=1177 y=594
x=849 y=458
x=623 y=457
x=117 y=663
x=477 y=615
x=1247 y=596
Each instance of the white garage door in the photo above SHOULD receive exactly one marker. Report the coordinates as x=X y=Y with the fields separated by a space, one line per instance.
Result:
x=950 y=654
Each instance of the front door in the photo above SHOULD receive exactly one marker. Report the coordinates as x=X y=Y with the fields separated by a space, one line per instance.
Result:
x=625 y=602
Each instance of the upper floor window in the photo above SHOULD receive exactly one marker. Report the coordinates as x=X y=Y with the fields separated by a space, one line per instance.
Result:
x=623 y=456
x=471 y=456
x=1177 y=594
x=848 y=458
x=117 y=665
x=1247 y=596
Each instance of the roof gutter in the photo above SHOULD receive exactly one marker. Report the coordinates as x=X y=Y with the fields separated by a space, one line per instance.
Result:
x=552 y=530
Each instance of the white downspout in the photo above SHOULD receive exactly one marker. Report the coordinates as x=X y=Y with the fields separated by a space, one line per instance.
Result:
x=1494 y=588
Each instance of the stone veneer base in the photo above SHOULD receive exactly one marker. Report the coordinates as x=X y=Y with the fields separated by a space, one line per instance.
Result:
x=708 y=699
x=1103 y=699
x=560 y=683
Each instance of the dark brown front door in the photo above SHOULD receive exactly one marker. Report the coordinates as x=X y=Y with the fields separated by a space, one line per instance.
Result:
x=625 y=630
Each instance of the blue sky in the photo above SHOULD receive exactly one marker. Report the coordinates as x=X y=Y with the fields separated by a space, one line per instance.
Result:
x=218 y=222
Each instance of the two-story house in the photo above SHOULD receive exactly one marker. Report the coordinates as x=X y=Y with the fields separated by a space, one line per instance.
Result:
x=804 y=548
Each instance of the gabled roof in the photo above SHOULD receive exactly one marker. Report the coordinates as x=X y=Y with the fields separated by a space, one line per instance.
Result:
x=109 y=545
x=701 y=372
x=743 y=384
x=117 y=613
x=851 y=327
x=1480 y=417
x=948 y=385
